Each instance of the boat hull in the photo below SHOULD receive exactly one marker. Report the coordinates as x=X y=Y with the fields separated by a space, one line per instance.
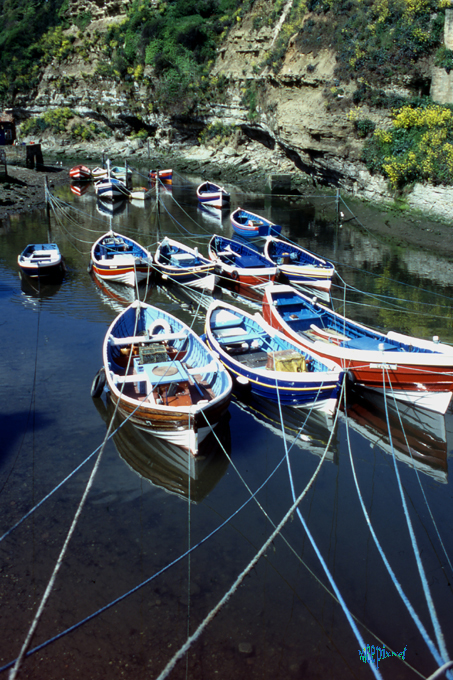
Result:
x=213 y=196
x=120 y=259
x=148 y=390
x=230 y=258
x=41 y=260
x=421 y=378
x=318 y=390
x=180 y=264
x=80 y=172
x=249 y=225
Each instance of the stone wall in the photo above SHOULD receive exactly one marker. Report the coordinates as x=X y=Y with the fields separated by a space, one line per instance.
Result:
x=442 y=82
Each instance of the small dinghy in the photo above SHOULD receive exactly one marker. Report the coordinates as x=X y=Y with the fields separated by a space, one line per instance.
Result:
x=240 y=262
x=99 y=173
x=299 y=266
x=111 y=189
x=80 y=173
x=163 y=175
x=413 y=370
x=213 y=195
x=163 y=376
x=118 y=258
x=269 y=364
x=121 y=172
x=41 y=259
x=178 y=263
x=248 y=224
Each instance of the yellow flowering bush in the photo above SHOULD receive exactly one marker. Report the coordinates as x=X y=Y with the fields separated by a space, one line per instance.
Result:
x=418 y=147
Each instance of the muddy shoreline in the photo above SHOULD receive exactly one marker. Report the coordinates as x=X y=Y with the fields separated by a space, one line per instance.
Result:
x=22 y=190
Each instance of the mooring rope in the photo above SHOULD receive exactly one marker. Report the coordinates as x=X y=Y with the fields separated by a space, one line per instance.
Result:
x=430 y=644
x=186 y=646
x=424 y=580
x=395 y=401
x=340 y=599
x=149 y=579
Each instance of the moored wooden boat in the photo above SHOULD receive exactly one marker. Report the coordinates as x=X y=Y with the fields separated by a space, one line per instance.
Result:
x=120 y=259
x=269 y=364
x=246 y=223
x=178 y=263
x=411 y=369
x=213 y=195
x=41 y=259
x=163 y=376
x=163 y=175
x=80 y=172
x=121 y=172
x=240 y=262
x=99 y=172
x=299 y=266
x=111 y=189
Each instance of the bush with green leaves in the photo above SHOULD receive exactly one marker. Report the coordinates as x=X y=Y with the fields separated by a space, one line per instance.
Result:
x=417 y=147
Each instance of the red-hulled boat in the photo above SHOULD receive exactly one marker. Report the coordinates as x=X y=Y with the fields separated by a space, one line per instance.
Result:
x=413 y=370
x=80 y=172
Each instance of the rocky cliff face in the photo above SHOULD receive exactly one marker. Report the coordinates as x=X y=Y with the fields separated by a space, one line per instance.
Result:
x=300 y=122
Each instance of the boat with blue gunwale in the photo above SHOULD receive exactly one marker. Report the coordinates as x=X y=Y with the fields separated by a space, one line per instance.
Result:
x=213 y=195
x=181 y=264
x=120 y=259
x=298 y=266
x=240 y=262
x=41 y=259
x=271 y=366
x=411 y=369
x=246 y=223
x=163 y=376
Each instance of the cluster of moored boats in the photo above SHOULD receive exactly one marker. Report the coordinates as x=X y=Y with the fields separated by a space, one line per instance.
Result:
x=297 y=352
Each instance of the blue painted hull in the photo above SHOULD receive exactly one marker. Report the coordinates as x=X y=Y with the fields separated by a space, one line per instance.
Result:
x=267 y=364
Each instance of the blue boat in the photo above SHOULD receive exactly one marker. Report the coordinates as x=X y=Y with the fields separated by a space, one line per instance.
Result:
x=163 y=376
x=178 y=263
x=299 y=266
x=240 y=262
x=264 y=361
x=41 y=259
x=248 y=224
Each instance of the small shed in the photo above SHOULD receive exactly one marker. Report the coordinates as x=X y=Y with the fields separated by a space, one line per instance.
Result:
x=7 y=129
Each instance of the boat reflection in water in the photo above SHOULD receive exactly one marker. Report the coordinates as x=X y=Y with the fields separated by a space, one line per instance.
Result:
x=117 y=296
x=40 y=287
x=110 y=208
x=418 y=435
x=79 y=188
x=308 y=431
x=166 y=465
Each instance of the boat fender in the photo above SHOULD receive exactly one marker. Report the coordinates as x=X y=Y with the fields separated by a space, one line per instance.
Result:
x=98 y=383
x=159 y=324
x=242 y=380
x=235 y=274
x=350 y=377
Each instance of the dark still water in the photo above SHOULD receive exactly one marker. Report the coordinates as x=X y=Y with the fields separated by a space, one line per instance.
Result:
x=137 y=524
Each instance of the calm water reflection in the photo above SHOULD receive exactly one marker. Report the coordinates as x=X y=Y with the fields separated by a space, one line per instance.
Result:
x=138 y=519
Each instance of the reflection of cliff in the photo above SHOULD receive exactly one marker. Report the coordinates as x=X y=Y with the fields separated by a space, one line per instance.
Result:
x=419 y=436
x=166 y=465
